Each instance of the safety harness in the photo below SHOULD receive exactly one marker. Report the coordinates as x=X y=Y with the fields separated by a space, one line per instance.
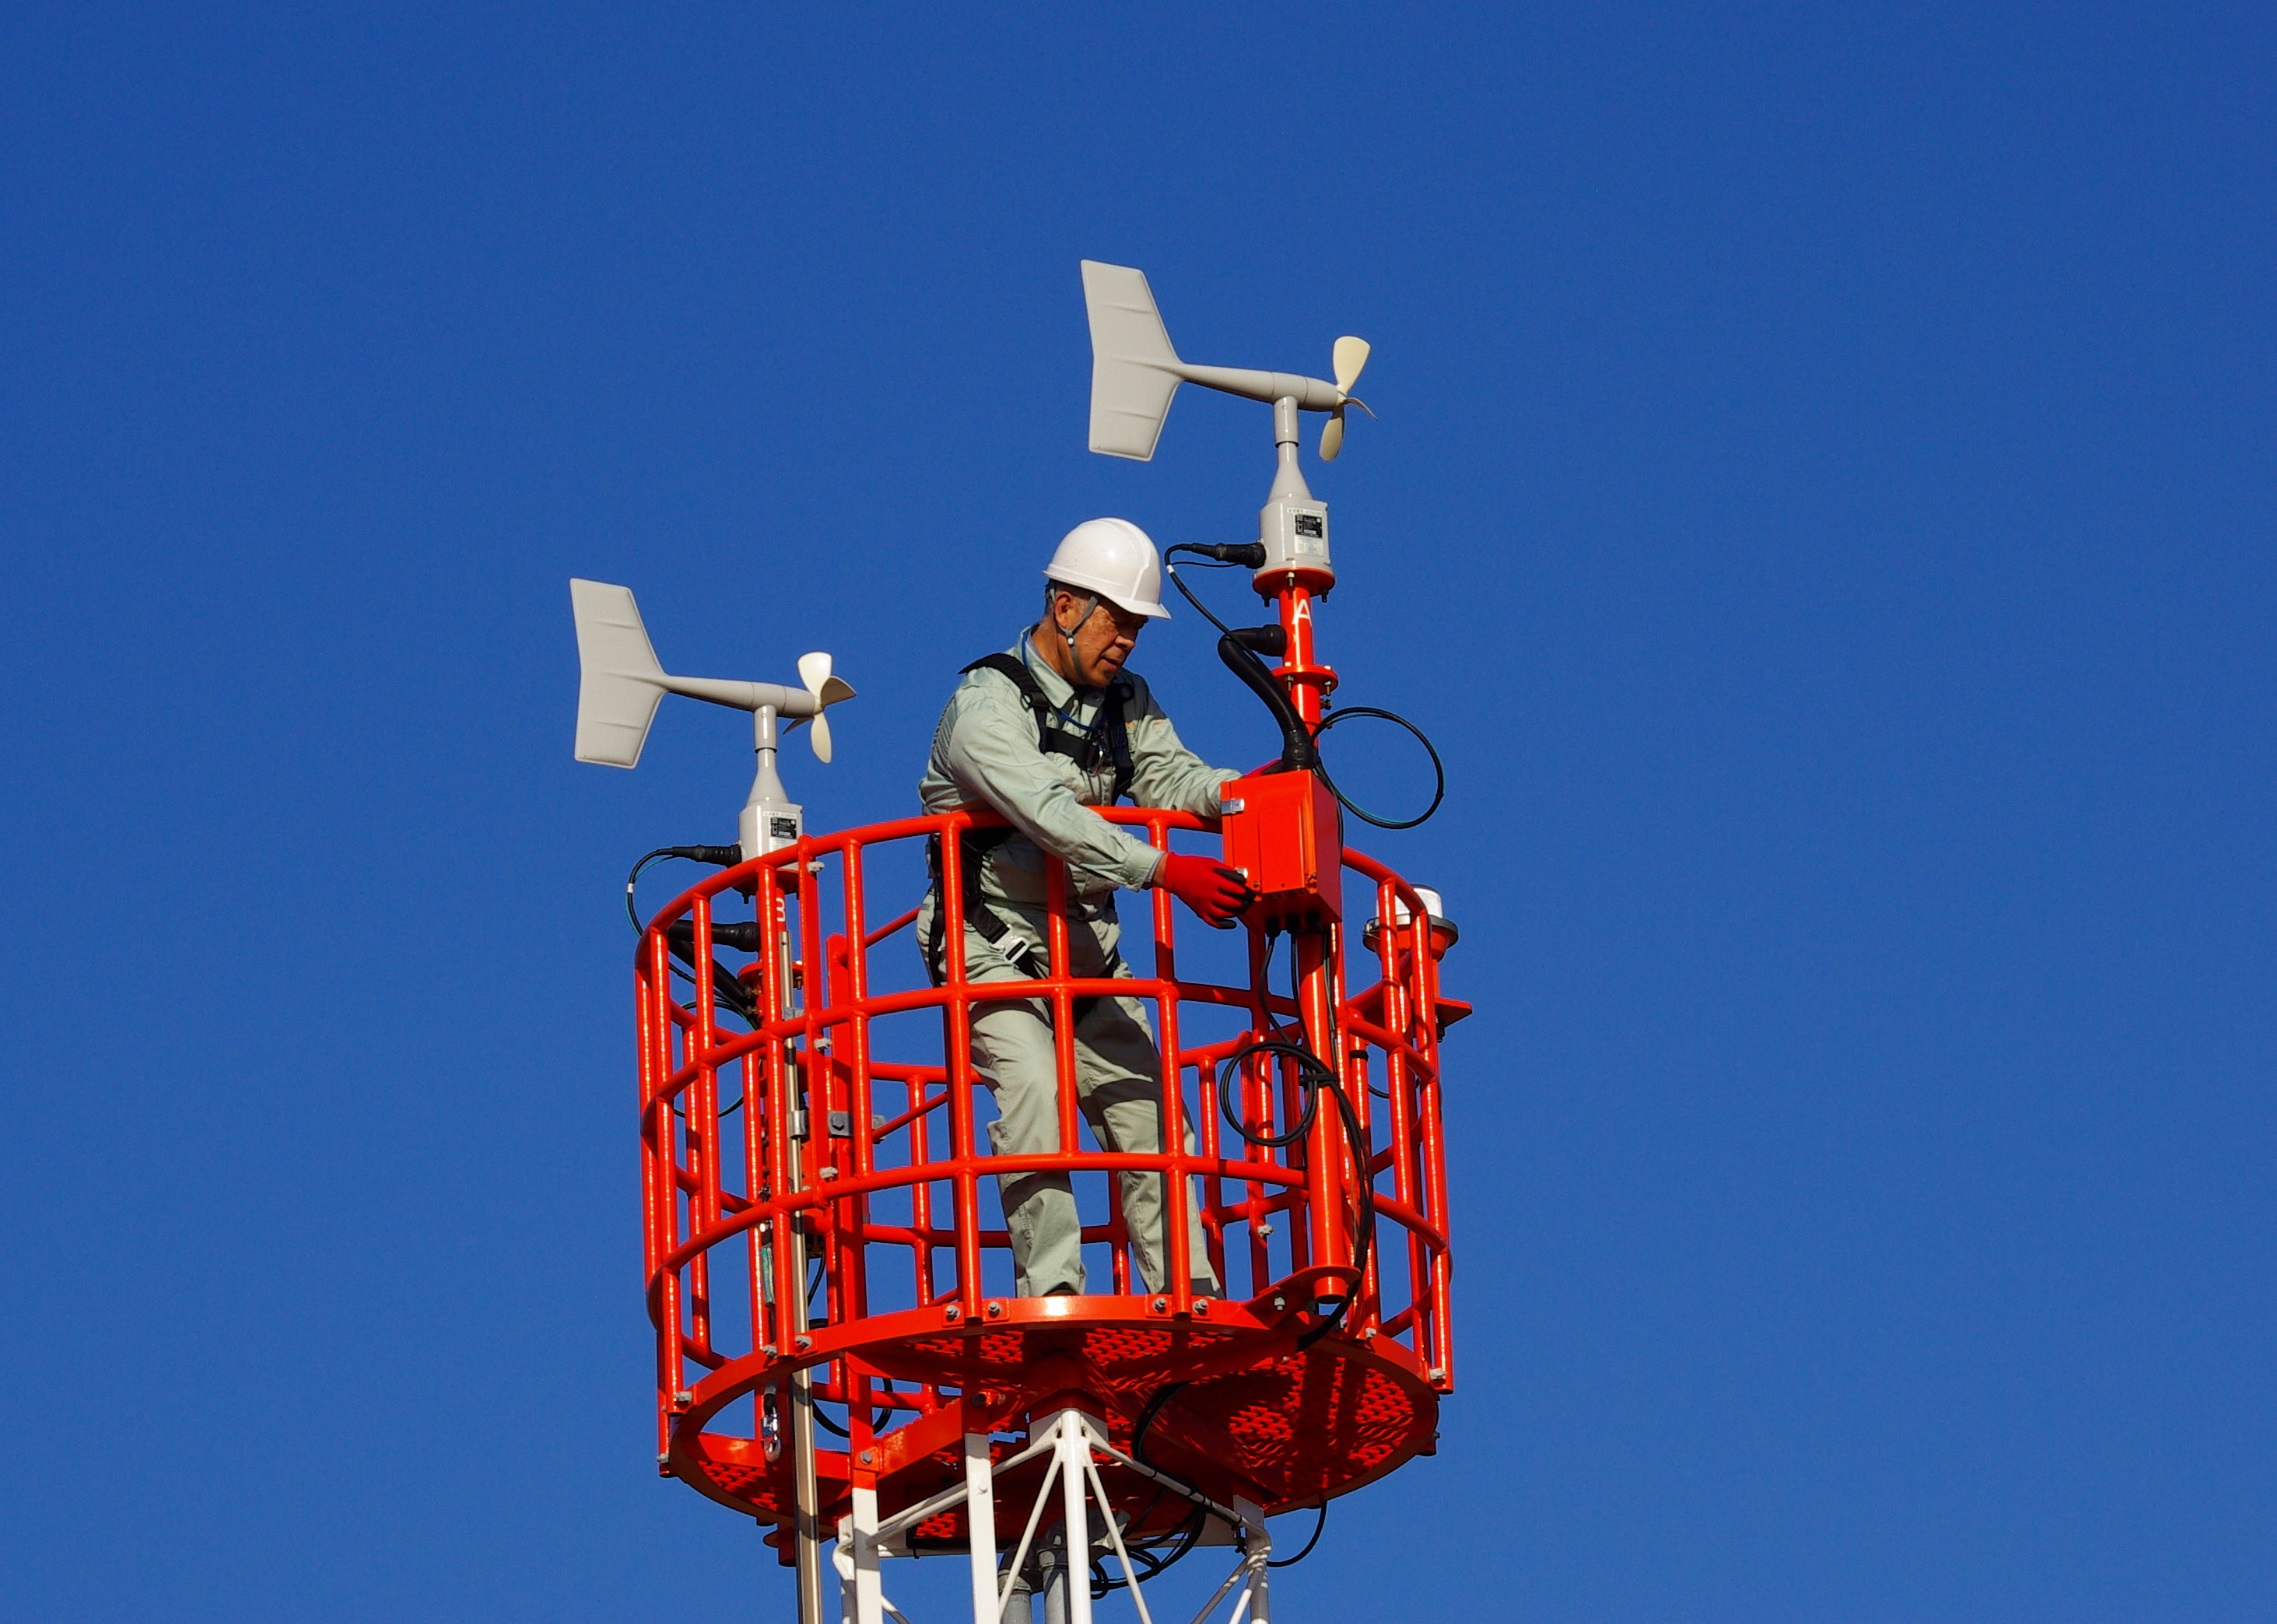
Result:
x=1106 y=740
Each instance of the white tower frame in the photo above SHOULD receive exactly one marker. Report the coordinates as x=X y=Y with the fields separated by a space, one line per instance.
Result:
x=1077 y=1444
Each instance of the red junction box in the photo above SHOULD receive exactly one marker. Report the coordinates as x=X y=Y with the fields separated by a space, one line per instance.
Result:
x=1284 y=832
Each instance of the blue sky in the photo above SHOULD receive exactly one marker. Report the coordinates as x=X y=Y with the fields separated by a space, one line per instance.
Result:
x=1821 y=505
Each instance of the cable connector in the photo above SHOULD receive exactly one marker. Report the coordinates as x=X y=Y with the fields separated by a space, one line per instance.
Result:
x=742 y=935
x=717 y=856
x=1249 y=553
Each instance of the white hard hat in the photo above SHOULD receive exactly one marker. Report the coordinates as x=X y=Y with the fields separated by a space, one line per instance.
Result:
x=1113 y=558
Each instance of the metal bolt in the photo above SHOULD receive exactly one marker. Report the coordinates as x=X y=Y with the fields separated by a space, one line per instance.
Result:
x=995 y=1310
x=1202 y=1307
x=802 y=1343
x=684 y=1397
x=955 y=1313
x=1437 y=1373
x=1279 y=1302
x=1161 y=1303
x=829 y=1173
x=769 y=1350
x=869 y=1456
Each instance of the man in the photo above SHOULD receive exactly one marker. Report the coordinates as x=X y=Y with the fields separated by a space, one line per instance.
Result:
x=1041 y=734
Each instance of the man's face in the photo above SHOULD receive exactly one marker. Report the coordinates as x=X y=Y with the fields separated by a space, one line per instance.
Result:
x=1104 y=640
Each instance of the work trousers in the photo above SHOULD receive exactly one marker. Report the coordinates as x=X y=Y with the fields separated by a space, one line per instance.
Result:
x=1118 y=1091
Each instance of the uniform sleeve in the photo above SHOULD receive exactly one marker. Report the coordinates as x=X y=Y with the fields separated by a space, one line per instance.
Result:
x=1164 y=772
x=989 y=749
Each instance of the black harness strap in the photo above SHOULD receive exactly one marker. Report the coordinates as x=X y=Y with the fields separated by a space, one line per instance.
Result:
x=1107 y=740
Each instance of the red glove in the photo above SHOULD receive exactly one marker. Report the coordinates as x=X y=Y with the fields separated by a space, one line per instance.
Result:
x=1210 y=888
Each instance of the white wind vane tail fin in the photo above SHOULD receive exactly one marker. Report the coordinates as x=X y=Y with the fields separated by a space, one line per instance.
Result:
x=620 y=682
x=1134 y=371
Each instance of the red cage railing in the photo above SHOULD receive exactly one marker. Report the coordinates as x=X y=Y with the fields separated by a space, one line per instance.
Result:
x=800 y=1102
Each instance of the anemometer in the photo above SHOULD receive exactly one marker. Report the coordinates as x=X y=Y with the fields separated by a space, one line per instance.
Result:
x=622 y=682
x=1135 y=372
x=1135 y=375
x=818 y=1148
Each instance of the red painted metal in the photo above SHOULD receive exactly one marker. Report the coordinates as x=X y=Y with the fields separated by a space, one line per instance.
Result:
x=874 y=1161
x=816 y=1120
x=1284 y=833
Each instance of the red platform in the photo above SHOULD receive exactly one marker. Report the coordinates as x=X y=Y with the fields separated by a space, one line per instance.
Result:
x=1240 y=1397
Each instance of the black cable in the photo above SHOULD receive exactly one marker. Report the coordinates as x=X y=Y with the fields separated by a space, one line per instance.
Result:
x=1292 y=1561
x=1147 y=1558
x=725 y=988
x=725 y=1111
x=1237 y=653
x=1438 y=767
x=680 y=941
x=717 y=856
x=1365 y=1244
x=1313 y=1074
x=1187 y=593
x=1152 y=1556
x=1239 y=649
x=738 y=1003
x=1162 y=1396
x=1248 y=553
x=1281 y=1041
x=1361 y=1147
x=1307 y=1064
x=813 y=1285
x=1186 y=1534
x=1253 y=555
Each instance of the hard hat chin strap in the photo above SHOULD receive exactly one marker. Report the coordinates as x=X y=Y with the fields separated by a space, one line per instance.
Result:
x=1075 y=665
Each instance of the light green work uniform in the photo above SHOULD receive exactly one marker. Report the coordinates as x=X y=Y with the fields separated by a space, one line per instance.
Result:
x=986 y=755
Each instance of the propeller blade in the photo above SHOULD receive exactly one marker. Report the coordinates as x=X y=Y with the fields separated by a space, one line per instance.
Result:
x=1332 y=435
x=828 y=690
x=1350 y=355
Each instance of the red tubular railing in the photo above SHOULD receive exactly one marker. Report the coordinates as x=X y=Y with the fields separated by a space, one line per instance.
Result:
x=801 y=1123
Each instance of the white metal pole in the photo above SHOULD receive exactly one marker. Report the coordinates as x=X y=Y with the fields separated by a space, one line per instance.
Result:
x=1075 y=1459
x=842 y=1558
x=980 y=1520
x=1259 y=1545
x=1115 y=1540
x=869 y=1585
